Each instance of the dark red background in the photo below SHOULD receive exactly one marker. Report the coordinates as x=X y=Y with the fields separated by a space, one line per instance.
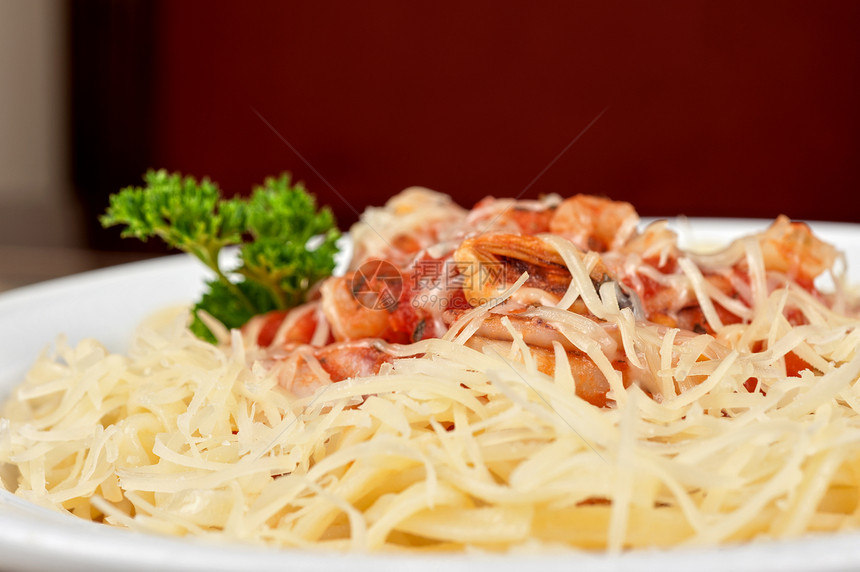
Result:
x=709 y=108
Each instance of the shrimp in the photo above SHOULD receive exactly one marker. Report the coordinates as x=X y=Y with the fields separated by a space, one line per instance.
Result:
x=789 y=252
x=300 y=349
x=305 y=369
x=509 y=215
x=344 y=334
x=535 y=330
x=791 y=248
x=364 y=305
x=786 y=247
x=657 y=244
x=490 y=263
x=591 y=383
x=350 y=317
x=356 y=306
x=594 y=223
x=301 y=325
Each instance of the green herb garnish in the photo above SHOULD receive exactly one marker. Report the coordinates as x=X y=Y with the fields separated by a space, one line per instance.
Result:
x=285 y=243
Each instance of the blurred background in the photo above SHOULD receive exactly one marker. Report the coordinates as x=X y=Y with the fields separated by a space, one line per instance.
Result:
x=702 y=108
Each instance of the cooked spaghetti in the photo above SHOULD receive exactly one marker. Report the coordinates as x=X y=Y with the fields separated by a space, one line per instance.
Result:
x=542 y=374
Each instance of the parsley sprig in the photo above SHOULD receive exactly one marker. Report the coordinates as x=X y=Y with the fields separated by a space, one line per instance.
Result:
x=285 y=243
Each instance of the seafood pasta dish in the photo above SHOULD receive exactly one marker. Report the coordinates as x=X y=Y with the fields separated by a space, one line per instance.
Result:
x=524 y=374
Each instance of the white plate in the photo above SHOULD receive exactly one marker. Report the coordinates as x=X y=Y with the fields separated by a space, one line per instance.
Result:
x=107 y=304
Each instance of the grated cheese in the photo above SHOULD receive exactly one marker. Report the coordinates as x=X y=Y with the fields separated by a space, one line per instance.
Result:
x=471 y=444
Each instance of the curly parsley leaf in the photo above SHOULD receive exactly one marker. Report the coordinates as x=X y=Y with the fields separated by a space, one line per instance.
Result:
x=220 y=302
x=285 y=243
